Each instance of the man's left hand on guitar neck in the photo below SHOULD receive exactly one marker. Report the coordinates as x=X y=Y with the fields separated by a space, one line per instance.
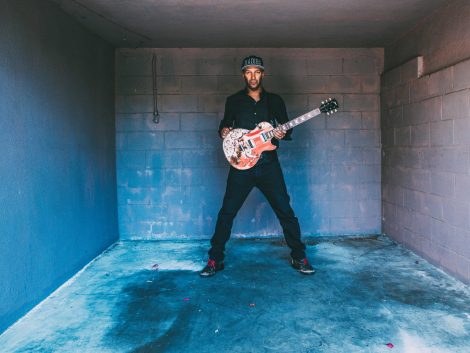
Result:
x=279 y=134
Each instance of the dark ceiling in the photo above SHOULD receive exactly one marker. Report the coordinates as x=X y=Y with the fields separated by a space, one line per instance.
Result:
x=250 y=23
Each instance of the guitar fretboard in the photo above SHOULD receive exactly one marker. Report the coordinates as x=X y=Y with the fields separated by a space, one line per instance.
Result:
x=294 y=122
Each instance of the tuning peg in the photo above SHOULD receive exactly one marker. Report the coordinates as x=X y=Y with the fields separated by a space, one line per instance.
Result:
x=330 y=98
x=328 y=113
x=336 y=110
x=322 y=102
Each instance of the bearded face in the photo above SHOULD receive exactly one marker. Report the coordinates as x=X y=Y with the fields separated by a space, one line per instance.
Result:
x=253 y=77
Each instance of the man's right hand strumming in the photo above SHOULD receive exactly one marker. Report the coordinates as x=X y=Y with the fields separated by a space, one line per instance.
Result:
x=224 y=132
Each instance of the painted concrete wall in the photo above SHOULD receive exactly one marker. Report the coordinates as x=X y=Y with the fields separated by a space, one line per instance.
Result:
x=443 y=38
x=57 y=143
x=171 y=175
x=426 y=168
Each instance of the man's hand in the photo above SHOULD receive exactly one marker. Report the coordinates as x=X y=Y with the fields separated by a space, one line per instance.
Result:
x=224 y=132
x=279 y=134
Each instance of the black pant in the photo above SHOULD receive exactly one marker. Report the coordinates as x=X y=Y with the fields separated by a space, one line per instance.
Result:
x=267 y=176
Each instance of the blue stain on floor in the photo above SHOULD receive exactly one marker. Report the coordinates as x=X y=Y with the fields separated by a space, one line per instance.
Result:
x=368 y=295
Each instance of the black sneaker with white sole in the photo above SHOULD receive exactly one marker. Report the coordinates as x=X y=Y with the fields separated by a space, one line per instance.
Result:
x=303 y=266
x=211 y=268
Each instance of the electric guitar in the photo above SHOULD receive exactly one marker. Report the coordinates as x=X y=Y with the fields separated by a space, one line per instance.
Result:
x=243 y=147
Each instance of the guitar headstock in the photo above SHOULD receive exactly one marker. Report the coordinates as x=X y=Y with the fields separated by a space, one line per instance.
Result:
x=329 y=106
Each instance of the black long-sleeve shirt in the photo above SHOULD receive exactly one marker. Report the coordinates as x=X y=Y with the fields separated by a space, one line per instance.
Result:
x=242 y=111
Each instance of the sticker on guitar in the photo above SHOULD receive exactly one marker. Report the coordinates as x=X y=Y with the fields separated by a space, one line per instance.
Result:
x=243 y=147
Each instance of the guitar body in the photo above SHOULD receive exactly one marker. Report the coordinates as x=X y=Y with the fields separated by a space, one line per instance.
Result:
x=243 y=147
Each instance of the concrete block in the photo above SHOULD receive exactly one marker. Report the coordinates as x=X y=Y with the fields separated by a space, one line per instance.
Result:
x=434 y=206
x=183 y=139
x=421 y=224
x=324 y=66
x=394 y=117
x=361 y=65
x=293 y=65
x=361 y=102
x=344 y=120
x=328 y=138
x=197 y=62
x=371 y=156
x=133 y=64
x=440 y=82
x=164 y=159
x=370 y=120
x=362 y=138
x=462 y=75
x=134 y=104
x=391 y=78
x=135 y=178
x=403 y=136
x=129 y=85
x=211 y=103
x=130 y=122
x=296 y=102
x=121 y=141
x=422 y=112
x=402 y=94
x=345 y=155
x=456 y=105
x=420 y=179
x=443 y=184
x=442 y=133
x=388 y=136
x=200 y=122
x=419 y=89
x=370 y=84
x=169 y=84
x=133 y=196
x=420 y=135
x=299 y=84
x=144 y=140
x=457 y=213
x=462 y=187
x=130 y=159
x=449 y=159
x=198 y=84
x=462 y=132
x=179 y=103
x=229 y=84
x=203 y=157
x=344 y=84
x=387 y=98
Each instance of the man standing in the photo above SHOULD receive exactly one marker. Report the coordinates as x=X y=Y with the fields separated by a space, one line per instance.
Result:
x=245 y=110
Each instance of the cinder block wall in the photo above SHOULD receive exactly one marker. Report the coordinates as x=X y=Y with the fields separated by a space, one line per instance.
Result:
x=57 y=160
x=426 y=170
x=171 y=175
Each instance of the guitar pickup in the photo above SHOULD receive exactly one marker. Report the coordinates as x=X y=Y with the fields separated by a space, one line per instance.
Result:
x=250 y=144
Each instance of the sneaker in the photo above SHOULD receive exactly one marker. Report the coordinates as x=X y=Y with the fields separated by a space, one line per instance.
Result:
x=303 y=266
x=211 y=268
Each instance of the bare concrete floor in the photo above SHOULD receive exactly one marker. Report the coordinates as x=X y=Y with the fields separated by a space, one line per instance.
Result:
x=367 y=295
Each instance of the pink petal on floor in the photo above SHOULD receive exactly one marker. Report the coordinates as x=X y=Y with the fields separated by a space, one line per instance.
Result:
x=389 y=345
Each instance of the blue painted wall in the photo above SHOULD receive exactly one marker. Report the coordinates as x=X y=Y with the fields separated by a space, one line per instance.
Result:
x=171 y=175
x=57 y=152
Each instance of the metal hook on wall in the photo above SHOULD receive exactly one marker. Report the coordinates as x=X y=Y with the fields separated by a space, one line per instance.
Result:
x=156 y=114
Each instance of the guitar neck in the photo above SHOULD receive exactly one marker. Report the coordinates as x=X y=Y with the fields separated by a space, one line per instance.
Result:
x=294 y=122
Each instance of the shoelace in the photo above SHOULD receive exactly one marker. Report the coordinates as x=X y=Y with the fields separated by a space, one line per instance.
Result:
x=211 y=263
x=305 y=261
